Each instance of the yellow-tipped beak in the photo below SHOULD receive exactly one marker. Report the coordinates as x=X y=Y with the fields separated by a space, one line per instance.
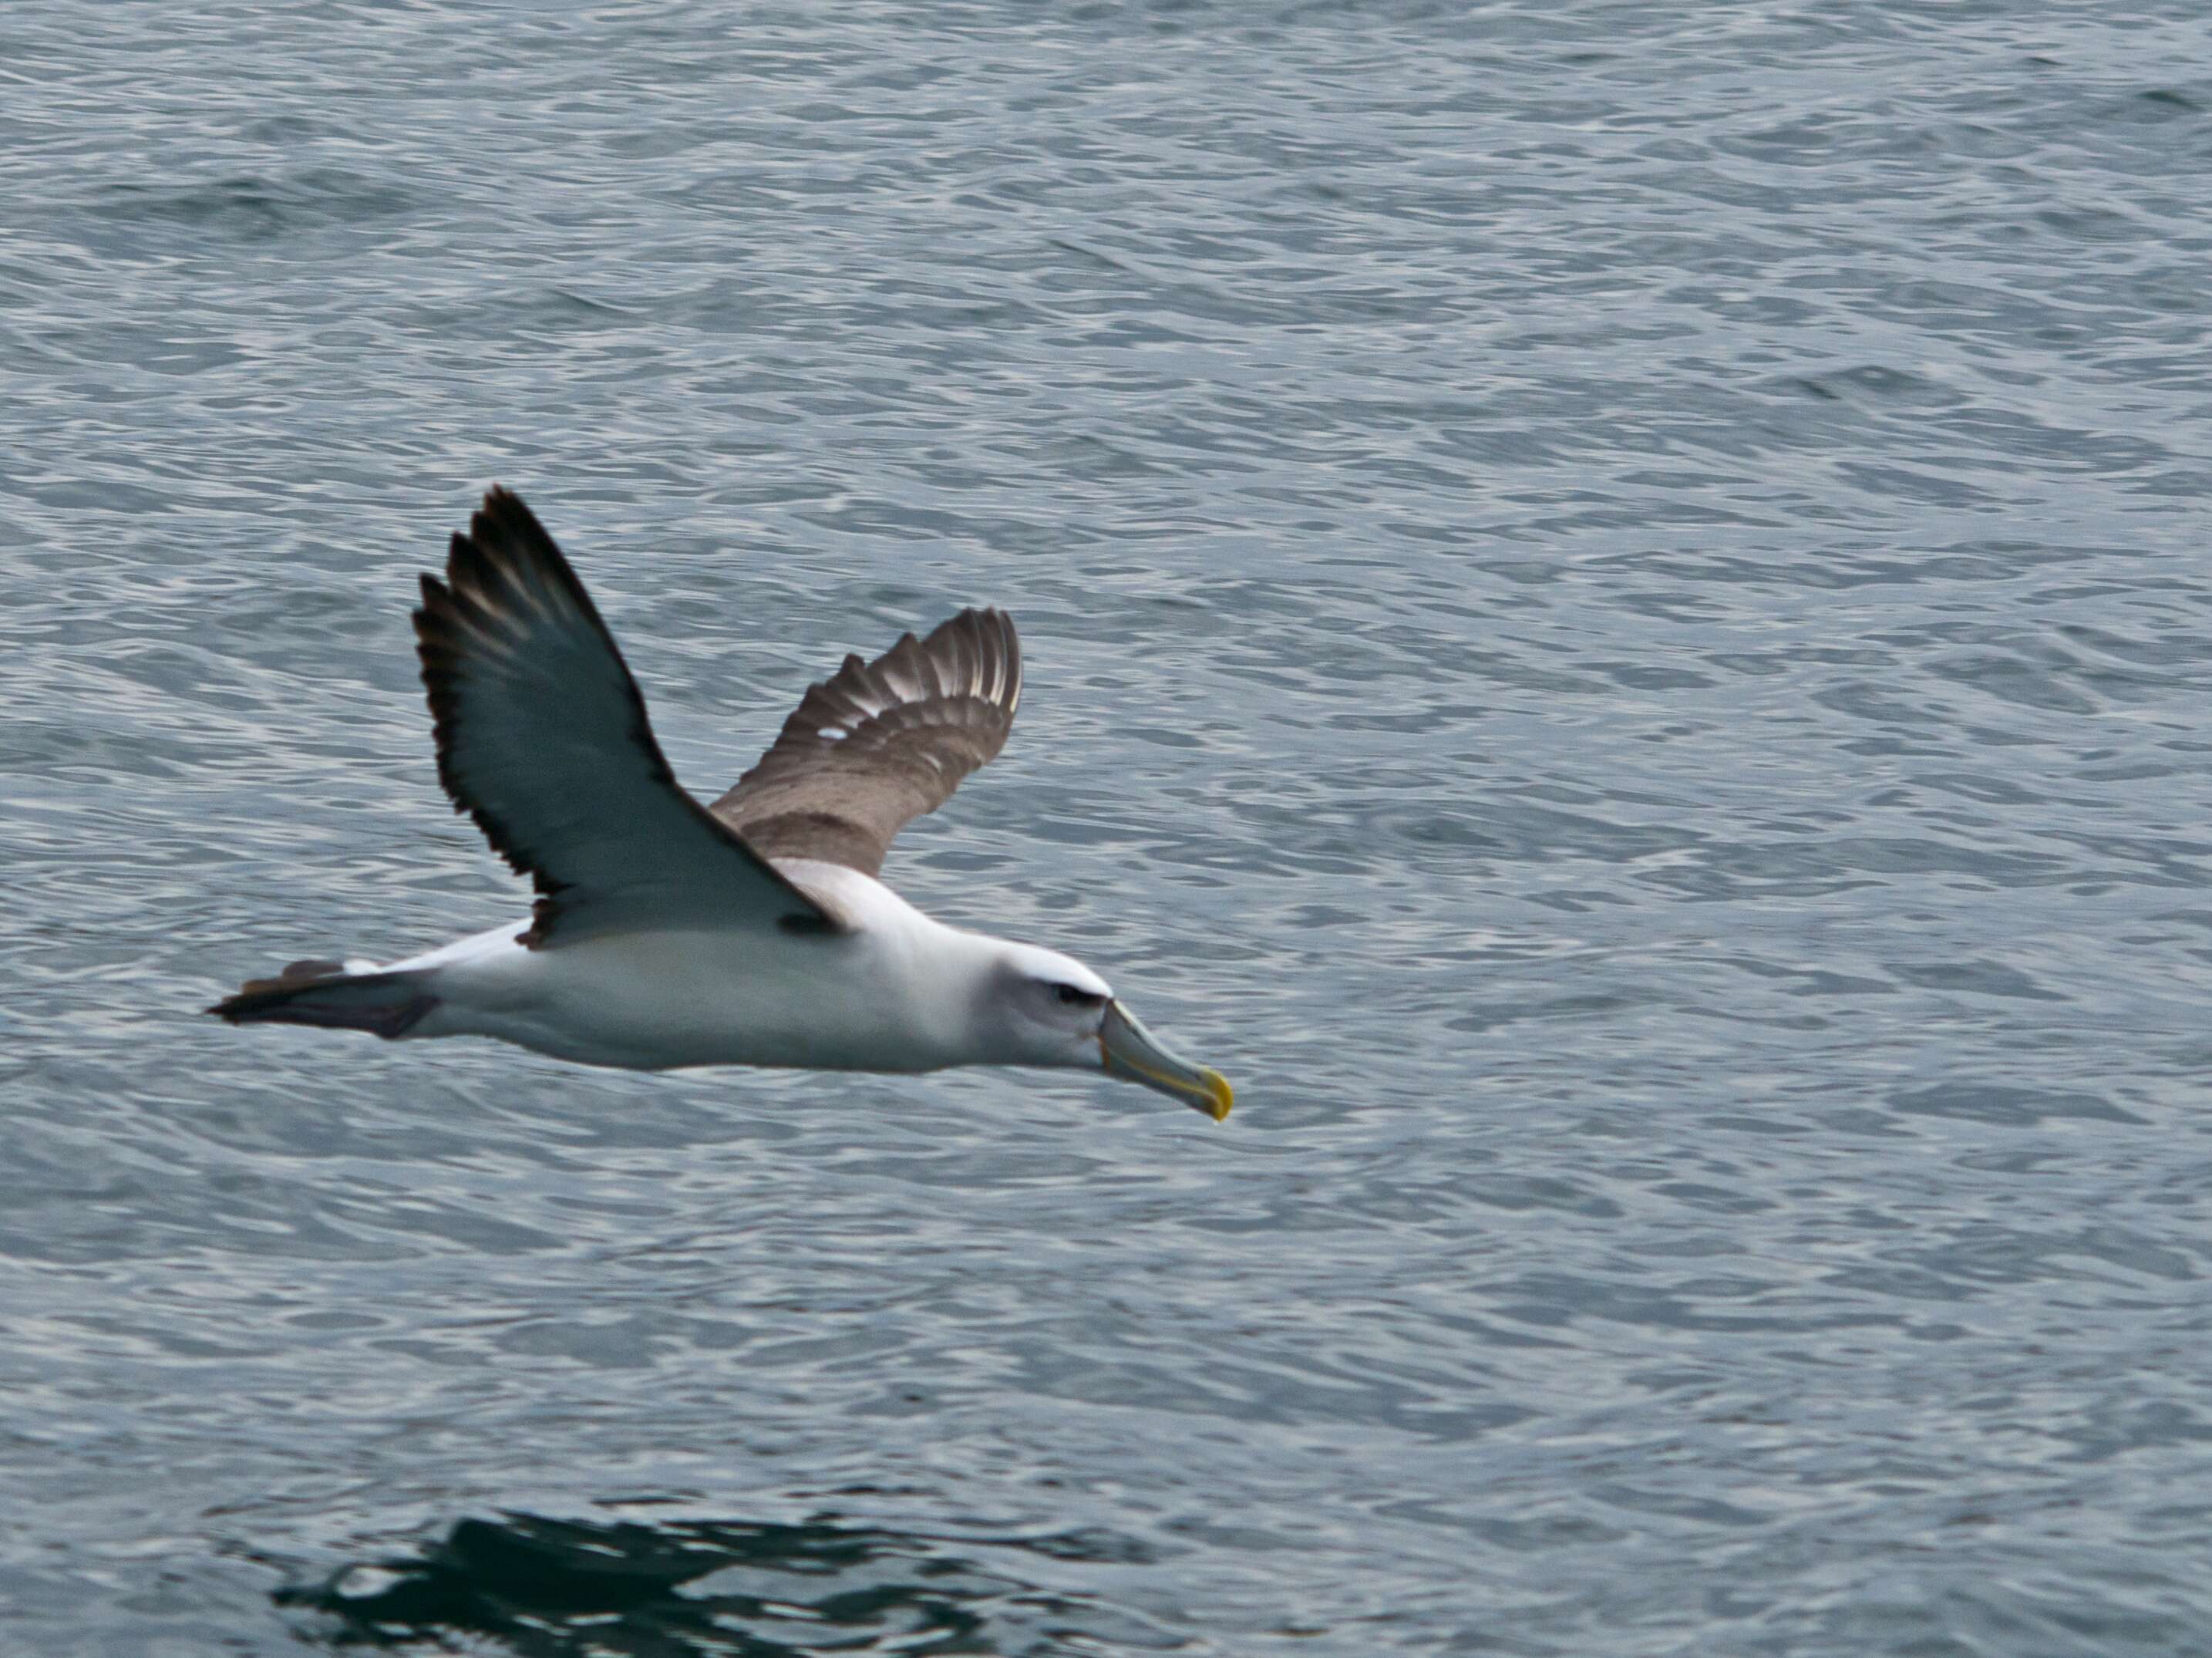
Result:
x=1126 y=1049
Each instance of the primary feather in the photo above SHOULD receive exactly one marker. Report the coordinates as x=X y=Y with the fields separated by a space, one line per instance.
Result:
x=880 y=743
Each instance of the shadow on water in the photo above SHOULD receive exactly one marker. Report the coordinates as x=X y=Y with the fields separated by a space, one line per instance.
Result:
x=551 y=1588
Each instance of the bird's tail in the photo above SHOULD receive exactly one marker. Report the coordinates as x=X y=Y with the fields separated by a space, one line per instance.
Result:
x=323 y=994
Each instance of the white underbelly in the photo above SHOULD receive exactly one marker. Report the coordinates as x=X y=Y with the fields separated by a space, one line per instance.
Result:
x=654 y=1000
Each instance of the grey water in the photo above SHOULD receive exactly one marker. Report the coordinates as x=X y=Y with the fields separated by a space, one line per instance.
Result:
x=1619 y=621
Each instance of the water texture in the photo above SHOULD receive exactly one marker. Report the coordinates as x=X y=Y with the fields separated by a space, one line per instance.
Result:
x=1618 y=622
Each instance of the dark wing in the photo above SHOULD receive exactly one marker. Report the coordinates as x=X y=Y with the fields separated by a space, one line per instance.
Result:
x=881 y=742
x=543 y=740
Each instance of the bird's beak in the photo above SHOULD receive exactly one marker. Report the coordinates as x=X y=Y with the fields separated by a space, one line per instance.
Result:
x=1127 y=1049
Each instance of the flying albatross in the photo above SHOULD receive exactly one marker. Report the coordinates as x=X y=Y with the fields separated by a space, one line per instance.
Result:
x=752 y=932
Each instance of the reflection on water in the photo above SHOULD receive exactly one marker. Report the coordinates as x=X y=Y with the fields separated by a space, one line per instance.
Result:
x=547 y=1588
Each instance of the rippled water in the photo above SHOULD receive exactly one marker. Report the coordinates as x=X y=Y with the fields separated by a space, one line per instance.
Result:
x=1619 y=622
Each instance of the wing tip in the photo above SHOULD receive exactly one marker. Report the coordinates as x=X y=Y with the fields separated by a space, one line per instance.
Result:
x=501 y=508
x=506 y=554
x=990 y=632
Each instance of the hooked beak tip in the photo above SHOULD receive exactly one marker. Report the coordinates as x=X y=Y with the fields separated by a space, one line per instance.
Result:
x=1126 y=1049
x=1223 y=1098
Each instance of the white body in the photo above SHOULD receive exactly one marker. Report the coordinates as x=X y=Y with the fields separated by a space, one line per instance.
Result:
x=899 y=992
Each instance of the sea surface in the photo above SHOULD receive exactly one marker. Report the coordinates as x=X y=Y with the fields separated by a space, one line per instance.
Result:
x=1618 y=601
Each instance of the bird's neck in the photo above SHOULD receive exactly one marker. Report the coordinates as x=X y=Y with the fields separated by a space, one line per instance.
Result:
x=933 y=981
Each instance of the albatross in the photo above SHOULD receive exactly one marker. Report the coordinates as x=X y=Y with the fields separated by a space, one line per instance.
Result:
x=754 y=931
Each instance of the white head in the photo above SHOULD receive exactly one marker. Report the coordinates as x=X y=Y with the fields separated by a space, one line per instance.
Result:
x=1037 y=1007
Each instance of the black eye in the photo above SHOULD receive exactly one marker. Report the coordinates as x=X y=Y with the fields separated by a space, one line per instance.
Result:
x=1071 y=997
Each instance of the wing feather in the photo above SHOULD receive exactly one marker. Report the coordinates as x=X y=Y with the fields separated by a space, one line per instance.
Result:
x=879 y=743
x=542 y=740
